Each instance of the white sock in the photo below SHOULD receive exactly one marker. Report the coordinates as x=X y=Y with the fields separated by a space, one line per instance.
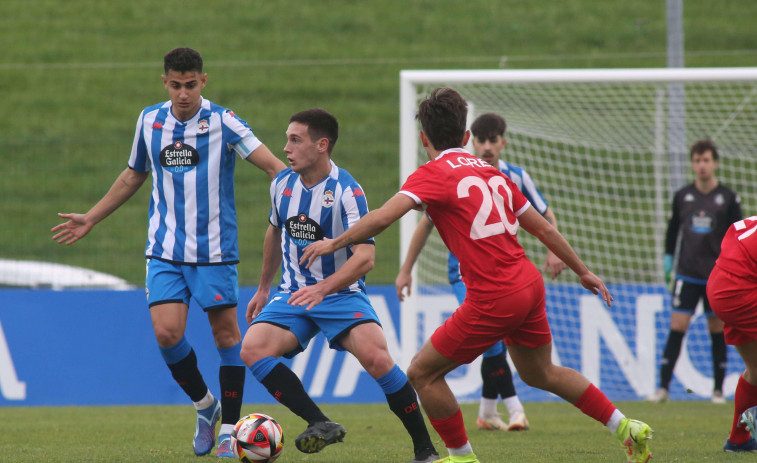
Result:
x=225 y=429
x=205 y=402
x=614 y=421
x=460 y=451
x=487 y=408
x=513 y=405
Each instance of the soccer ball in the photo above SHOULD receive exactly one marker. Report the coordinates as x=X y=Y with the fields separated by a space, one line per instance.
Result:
x=257 y=437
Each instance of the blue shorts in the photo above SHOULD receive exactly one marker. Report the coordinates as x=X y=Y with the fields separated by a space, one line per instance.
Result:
x=335 y=316
x=214 y=287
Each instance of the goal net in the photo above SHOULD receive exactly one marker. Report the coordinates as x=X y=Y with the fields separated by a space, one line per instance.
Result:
x=607 y=148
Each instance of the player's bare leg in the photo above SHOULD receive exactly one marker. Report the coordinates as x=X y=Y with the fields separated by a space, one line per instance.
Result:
x=537 y=370
x=169 y=322
x=368 y=344
x=426 y=373
x=744 y=427
x=262 y=346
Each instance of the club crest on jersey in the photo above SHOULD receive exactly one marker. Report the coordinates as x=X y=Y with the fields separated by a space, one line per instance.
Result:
x=179 y=157
x=303 y=230
x=202 y=126
x=328 y=198
x=719 y=200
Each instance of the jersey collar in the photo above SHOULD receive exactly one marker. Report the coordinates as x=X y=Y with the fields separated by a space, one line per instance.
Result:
x=452 y=150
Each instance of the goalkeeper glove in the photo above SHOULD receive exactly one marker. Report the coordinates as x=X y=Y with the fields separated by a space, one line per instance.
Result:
x=667 y=264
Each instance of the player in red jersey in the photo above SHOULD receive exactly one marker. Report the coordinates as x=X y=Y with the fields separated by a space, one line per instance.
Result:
x=477 y=211
x=732 y=292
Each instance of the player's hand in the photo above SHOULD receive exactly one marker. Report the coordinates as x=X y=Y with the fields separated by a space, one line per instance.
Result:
x=595 y=284
x=72 y=231
x=256 y=304
x=553 y=264
x=315 y=250
x=667 y=268
x=310 y=296
x=404 y=280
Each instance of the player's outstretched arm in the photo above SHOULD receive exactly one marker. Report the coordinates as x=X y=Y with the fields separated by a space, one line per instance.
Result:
x=78 y=225
x=405 y=276
x=271 y=260
x=534 y=223
x=552 y=263
x=360 y=263
x=370 y=225
x=264 y=160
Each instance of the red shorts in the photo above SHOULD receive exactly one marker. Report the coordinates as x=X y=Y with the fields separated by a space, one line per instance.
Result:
x=734 y=300
x=518 y=318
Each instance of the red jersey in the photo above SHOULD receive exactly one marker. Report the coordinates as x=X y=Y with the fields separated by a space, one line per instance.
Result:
x=475 y=208
x=738 y=251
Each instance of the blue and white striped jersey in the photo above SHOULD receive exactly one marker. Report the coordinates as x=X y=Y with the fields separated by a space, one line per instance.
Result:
x=526 y=185
x=310 y=214
x=192 y=216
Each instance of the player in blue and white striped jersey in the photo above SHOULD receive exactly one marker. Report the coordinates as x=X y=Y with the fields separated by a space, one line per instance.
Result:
x=313 y=200
x=190 y=146
x=311 y=214
x=488 y=142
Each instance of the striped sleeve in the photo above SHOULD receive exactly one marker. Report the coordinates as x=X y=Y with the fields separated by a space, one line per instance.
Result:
x=354 y=207
x=139 y=159
x=532 y=193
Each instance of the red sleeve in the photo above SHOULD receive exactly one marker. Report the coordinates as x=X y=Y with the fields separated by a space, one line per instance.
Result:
x=425 y=185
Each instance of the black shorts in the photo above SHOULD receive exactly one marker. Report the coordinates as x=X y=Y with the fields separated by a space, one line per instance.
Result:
x=686 y=296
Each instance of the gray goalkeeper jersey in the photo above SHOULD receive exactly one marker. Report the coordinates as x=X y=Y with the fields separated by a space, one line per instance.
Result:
x=702 y=220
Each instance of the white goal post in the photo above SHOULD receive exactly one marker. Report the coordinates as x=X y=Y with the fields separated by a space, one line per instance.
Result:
x=607 y=148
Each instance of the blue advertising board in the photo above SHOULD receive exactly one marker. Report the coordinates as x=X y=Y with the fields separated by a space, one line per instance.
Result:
x=96 y=347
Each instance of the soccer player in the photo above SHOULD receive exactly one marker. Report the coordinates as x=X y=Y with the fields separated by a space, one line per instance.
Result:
x=732 y=292
x=189 y=144
x=311 y=200
x=478 y=211
x=701 y=214
x=489 y=141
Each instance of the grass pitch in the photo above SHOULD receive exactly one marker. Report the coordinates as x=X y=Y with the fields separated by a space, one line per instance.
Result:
x=684 y=432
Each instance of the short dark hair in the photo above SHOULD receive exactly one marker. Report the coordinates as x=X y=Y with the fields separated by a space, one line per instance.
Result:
x=488 y=125
x=442 y=116
x=321 y=124
x=701 y=146
x=182 y=60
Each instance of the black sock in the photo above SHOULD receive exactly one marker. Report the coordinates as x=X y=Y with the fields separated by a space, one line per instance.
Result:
x=231 y=379
x=497 y=377
x=185 y=373
x=287 y=388
x=719 y=359
x=670 y=357
x=404 y=404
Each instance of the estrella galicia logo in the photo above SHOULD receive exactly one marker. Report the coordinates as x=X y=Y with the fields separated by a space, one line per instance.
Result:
x=179 y=157
x=701 y=223
x=303 y=230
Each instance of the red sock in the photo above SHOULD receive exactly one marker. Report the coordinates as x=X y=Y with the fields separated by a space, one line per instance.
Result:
x=594 y=403
x=746 y=397
x=451 y=430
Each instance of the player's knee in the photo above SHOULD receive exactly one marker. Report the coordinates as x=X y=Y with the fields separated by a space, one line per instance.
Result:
x=167 y=337
x=250 y=353
x=417 y=377
x=535 y=379
x=377 y=362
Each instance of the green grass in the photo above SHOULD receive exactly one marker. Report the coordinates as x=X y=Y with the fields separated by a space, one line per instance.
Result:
x=75 y=75
x=684 y=432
